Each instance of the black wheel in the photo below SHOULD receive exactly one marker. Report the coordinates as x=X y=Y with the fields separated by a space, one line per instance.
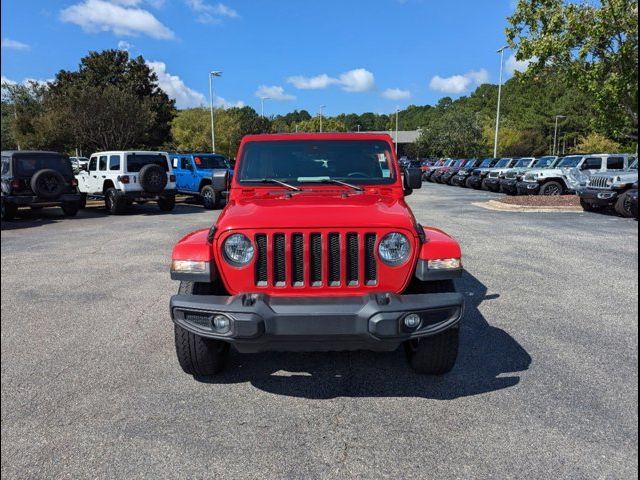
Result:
x=209 y=197
x=48 y=184
x=70 y=209
x=153 y=178
x=167 y=203
x=467 y=183
x=197 y=355
x=552 y=189
x=9 y=211
x=435 y=355
x=484 y=185
x=115 y=203
x=623 y=206
x=589 y=207
x=83 y=201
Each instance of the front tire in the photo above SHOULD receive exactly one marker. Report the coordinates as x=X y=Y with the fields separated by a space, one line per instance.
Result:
x=70 y=209
x=552 y=189
x=167 y=203
x=197 y=355
x=209 y=197
x=589 y=207
x=623 y=206
x=114 y=202
x=437 y=354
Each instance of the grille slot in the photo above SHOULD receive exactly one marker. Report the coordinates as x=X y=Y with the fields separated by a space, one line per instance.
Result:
x=370 y=265
x=261 y=260
x=598 y=182
x=353 y=259
x=297 y=260
x=316 y=259
x=334 y=259
x=279 y=267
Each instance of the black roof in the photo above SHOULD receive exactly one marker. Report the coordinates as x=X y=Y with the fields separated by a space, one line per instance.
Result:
x=21 y=153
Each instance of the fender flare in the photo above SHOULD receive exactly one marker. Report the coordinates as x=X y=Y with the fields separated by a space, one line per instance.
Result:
x=195 y=246
x=438 y=245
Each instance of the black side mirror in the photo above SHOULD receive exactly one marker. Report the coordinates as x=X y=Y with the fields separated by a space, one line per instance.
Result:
x=220 y=180
x=412 y=179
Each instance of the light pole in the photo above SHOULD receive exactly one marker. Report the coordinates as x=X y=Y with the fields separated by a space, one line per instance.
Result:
x=555 y=134
x=396 y=139
x=213 y=128
x=358 y=128
x=321 y=108
x=495 y=142
x=262 y=99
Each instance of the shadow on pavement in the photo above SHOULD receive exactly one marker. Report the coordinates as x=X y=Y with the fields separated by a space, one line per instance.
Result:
x=489 y=360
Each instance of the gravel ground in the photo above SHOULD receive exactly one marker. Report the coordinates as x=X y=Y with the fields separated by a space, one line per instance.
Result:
x=545 y=387
x=542 y=200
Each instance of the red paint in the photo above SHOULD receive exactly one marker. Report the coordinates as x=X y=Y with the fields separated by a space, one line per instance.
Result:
x=269 y=209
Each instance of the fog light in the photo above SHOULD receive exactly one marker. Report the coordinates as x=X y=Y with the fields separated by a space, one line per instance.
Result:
x=221 y=324
x=412 y=321
x=445 y=264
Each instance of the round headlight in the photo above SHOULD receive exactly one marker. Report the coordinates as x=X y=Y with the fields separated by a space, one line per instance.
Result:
x=394 y=249
x=238 y=250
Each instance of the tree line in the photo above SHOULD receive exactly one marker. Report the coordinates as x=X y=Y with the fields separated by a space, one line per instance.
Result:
x=584 y=67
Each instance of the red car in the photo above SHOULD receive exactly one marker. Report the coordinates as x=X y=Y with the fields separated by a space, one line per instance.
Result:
x=317 y=250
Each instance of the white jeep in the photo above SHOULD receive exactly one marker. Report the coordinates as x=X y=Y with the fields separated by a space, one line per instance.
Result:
x=124 y=177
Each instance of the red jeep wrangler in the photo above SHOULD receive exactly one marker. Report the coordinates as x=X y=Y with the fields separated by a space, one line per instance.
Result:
x=317 y=250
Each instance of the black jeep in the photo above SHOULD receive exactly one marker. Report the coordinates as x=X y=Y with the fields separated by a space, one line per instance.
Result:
x=37 y=179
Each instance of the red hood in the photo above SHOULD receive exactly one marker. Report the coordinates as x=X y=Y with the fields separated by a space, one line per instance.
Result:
x=318 y=209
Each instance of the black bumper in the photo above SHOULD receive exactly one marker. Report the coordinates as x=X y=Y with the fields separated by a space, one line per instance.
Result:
x=528 y=188
x=509 y=186
x=458 y=180
x=493 y=184
x=475 y=181
x=369 y=322
x=28 y=200
x=599 y=197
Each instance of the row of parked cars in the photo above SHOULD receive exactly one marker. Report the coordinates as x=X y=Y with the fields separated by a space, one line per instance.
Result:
x=601 y=180
x=37 y=179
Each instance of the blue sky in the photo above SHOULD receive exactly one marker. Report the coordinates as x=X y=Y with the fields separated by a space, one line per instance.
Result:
x=352 y=56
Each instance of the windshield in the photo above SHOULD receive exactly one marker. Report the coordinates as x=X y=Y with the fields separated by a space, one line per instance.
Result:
x=27 y=166
x=523 y=162
x=503 y=163
x=304 y=161
x=209 y=162
x=544 y=162
x=459 y=163
x=634 y=166
x=135 y=161
x=570 y=162
x=486 y=163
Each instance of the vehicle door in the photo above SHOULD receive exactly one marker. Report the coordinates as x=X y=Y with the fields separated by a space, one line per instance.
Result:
x=101 y=174
x=88 y=179
x=185 y=174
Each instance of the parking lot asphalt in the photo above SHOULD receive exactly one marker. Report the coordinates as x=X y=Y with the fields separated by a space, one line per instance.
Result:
x=546 y=385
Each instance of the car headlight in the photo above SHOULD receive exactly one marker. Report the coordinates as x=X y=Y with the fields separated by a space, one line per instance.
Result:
x=610 y=182
x=445 y=264
x=238 y=250
x=189 y=266
x=394 y=249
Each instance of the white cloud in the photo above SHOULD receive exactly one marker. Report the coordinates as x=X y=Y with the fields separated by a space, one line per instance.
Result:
x=396 y=94
x=274 y=93
x=175 y=87
x=357 y=80
x=123 y=45
x=124 y=20
x=14 y=44
x=459 y=83
x=514 y=65
x=8 y=81
x=211 y=13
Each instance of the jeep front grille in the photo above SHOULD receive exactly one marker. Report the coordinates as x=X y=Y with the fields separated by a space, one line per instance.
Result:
x=598 y=182
x=494 y=174
x=315 y=259
x=511 y=175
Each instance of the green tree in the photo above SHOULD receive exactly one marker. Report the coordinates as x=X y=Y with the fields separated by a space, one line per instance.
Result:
x=191 y=130
x=594 y=44
x=596 y=142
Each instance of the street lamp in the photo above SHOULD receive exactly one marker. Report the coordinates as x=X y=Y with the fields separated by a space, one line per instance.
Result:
x=322 y=107
x=358 y=128
x=495 y=143
x=262 y=99
x=555 y=134
x=213 y=128
x=397 y=111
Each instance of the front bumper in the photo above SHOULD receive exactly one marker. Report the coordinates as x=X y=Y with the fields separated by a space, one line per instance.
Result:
x=509 y=186
x=596 y=196
x=528 y=188
x=475 y=181
x=493 y=184
x=458 y=180
x=28 y=200
x=369 y=322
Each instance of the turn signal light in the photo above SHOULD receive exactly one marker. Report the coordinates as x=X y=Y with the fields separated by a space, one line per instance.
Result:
x=15 y=184
x=124 y=179
x=74 y=182
x=172 y=178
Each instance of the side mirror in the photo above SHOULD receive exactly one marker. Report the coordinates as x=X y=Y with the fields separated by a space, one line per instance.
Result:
x=83 y=168
x=412 y=179
x=220 y=180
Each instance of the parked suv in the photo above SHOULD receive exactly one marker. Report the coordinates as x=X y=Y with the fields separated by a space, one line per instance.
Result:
x=122 y=178
x=570 y=174
x=510 y=179
x=478 y=177
x=37 y=179
x=610 y=189
x=463 y=175
x=317 y=250
x=78 y=163
x=453 y=178
x=495 y=177
x=201 y=174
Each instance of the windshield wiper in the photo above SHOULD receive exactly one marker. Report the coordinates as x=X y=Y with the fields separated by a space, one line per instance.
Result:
x=338 y=182
x=272 y=180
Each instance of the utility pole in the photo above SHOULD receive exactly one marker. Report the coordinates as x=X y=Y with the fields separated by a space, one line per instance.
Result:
x=495 y=143
x=213 y=128
x=396 y=139
x=555 y=135
x=358 y=128
x=262 y=99
x=321 y=108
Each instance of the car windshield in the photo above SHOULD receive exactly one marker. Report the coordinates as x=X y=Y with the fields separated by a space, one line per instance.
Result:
x=503 y=163
x=459 y=163
x=634 y=166
x=486 y=163
x=544 y=162
x=523 y=162
x=570 y=162
x=307 y=161
x=135 y=161
x=26 y=166
x=209 y=162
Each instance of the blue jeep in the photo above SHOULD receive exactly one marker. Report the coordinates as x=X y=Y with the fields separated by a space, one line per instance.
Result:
x=202 y=174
